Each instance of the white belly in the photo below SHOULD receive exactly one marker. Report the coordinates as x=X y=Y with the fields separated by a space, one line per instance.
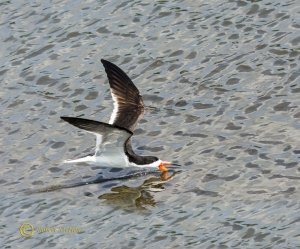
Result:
x=112 y=158
x=109 y=157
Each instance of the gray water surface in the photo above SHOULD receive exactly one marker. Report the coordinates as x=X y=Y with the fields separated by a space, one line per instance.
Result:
x=223 y=80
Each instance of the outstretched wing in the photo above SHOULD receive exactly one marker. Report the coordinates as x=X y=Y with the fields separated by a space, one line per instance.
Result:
x=128 y=103
x=110 y=135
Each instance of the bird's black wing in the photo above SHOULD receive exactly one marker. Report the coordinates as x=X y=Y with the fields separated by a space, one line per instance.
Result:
x=128 y=103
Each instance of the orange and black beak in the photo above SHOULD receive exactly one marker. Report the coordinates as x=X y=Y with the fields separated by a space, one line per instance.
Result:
x=163 y=165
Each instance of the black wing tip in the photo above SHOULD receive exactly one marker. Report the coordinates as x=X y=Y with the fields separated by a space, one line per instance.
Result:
x=107 y=63
x=65 y=118
x=73 y=120
x=111 y=67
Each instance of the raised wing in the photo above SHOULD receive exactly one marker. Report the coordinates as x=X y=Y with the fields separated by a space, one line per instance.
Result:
x=128 y=103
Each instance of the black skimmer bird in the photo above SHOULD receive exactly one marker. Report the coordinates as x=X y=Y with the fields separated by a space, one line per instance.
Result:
x=113 y=144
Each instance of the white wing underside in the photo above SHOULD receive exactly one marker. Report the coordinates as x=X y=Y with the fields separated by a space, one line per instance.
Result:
x=110 y=145
x=109 y=158
x=111 y=154
x=109 y=151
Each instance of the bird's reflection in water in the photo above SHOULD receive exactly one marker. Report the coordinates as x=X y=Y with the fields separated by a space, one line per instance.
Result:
x=137 y=197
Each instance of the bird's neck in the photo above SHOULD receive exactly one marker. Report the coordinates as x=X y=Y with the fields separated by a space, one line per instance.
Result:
x=132 y=157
